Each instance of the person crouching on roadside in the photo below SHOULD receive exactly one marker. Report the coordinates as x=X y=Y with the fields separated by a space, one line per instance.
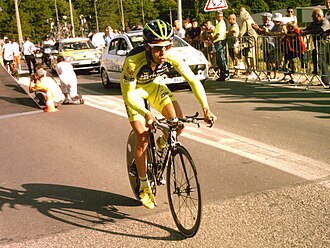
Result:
x=43 y=83
x=68 y=80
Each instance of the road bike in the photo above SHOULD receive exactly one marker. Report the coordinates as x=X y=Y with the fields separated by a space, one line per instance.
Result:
x=183 y=189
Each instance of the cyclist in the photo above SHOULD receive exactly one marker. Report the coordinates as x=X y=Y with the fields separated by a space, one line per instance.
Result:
x=142 y=79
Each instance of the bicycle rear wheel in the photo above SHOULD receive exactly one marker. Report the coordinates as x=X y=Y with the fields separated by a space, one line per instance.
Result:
x=183 y=191
x=131 y=167
x=132 y=170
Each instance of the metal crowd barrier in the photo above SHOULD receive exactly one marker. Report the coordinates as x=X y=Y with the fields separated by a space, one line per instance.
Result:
x=298 y=59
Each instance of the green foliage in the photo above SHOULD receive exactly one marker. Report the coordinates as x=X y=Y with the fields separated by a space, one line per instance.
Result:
x=36 y=15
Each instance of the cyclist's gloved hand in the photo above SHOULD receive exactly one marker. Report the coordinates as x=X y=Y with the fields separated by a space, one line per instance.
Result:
x=209 y=117
x=150 y=119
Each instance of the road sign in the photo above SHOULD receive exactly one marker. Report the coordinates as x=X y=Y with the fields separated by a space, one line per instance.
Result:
x=212 y=5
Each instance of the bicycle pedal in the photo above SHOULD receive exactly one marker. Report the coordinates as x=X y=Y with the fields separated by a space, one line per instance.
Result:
x=132 y=171
x=161 y=181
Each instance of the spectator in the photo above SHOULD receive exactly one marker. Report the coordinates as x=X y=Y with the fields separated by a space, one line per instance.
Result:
x=327 y=5
x=17 y=54
x=108 y=35
x=267 y=23
x=7 y=54
x=249 y=36
x=193 y=34
x=43 y=83
x=208 y=48
x=219 y=41
x=277 y=32
x=319 y=28
x=294 y=47
x=267 y=44
x=233 y=44
x=186 y=24
x=28 y=51
x=178 y=30
x=138 y=26
x=68 y=80
x=289 y=16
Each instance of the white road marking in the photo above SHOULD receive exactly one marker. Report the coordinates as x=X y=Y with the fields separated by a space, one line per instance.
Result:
x=20 y=114
x=295 y=164
x=281 y=159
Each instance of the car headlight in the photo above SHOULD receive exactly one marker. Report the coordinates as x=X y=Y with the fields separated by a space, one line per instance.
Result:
x=69 y=59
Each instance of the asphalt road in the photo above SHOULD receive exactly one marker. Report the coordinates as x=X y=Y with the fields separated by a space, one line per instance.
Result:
x=264 y=170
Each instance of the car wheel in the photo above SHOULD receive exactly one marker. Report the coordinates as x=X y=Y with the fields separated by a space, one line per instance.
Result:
x=105 y=79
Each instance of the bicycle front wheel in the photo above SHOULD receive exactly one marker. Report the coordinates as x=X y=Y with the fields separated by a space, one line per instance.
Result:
x=183 y=191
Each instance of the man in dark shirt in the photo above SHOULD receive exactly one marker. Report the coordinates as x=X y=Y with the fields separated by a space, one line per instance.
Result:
x=194 y=34
x=320 y=29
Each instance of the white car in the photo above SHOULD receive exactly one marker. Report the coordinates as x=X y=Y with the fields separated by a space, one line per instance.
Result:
x=80 y=52
x=114 y=55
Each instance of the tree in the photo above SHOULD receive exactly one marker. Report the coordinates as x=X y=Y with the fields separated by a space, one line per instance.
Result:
x=36 y=14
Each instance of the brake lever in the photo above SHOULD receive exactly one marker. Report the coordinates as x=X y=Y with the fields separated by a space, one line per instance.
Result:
x=212 y=123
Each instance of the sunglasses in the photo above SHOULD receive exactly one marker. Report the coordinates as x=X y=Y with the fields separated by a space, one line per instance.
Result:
x=159 y=47
x=290 y=11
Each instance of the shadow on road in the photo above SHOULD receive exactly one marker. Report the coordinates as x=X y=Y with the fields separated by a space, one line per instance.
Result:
x=79 y=207
x=282 y=99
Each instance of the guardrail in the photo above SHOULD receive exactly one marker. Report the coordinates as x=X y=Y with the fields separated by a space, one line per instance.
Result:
x=298 y=59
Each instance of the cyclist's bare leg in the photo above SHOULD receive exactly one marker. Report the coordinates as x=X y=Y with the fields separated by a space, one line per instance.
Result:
x=142 y=135
x=141 y=146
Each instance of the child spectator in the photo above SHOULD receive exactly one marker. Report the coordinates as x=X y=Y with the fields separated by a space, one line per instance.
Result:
x=294 y=47
x=233 y=44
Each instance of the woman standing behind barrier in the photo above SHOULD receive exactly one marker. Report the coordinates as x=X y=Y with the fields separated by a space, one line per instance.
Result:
x=249 y=36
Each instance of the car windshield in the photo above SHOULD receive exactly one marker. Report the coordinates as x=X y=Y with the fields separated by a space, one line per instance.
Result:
x=77 y=45
x=178 y=42
x=136 y=40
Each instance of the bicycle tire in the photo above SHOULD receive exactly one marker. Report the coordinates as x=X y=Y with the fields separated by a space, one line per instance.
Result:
x=132 y=170
x=131 y=167
x=183 y=189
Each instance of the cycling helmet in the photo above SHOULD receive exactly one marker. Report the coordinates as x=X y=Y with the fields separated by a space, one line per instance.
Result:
x=157 y=30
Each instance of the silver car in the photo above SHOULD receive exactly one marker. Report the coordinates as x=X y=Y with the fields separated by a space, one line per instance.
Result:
x=114 y=55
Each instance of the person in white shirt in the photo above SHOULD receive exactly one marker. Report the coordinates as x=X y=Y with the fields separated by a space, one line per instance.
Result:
x=289 y=16
x=178 y=30
x=17 y=54
x=7 y=54
x=48 y=41
x=28 y=51
x=68 y=80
